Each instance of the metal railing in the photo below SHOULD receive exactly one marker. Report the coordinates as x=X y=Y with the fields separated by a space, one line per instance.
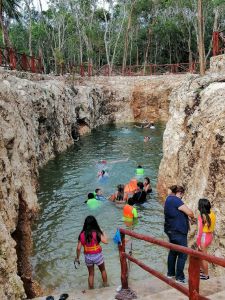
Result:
x=194 y=264
x=13 y=60
x=137 y=70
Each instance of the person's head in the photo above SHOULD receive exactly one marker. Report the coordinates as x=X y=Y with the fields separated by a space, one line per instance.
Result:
x=102 y=172
x=139 y=167
x=172 y=190
x=91 y=196
x=130 y=201
x=204 y=207
x=98 y=192
x=120 y=188
x=146 y=181
x=90 y=225
x=140 y=185
x=180 y=191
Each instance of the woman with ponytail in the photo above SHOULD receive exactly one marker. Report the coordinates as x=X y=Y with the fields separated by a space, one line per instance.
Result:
x=206 y=227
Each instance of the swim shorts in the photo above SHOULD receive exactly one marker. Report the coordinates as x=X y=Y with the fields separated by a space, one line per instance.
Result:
x=206 y=239
x=94 y=259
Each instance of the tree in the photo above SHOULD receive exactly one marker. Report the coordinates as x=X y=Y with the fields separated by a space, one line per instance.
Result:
x=9 y=9
x=201 y=45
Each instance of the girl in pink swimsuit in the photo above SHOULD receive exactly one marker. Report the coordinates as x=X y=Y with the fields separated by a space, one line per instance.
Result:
x=90 y=238
x=206 y=227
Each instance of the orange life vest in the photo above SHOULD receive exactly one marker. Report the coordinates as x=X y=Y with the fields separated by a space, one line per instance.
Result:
x=127 y=211
x=131 y=186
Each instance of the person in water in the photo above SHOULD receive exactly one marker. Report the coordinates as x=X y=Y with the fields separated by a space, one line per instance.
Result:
x=99 y=195
x=129 y=212
x=139 y=196
x=206 y=227
x=140 y=171
x=90 y=238
x=92 y=202
x=147 y=185
x=119 y=195
x=176 y=227
x=147 y=139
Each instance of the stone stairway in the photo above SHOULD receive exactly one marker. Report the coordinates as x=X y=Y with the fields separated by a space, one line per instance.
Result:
x=152 y=289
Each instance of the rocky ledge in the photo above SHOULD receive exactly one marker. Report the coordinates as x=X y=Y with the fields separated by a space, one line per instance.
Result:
x=41 y=116
x=194 y=147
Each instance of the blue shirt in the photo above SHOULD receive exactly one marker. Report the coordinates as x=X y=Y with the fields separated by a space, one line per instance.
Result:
x=175 y=220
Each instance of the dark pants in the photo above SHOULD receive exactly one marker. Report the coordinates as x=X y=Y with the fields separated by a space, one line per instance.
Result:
x=176 y=260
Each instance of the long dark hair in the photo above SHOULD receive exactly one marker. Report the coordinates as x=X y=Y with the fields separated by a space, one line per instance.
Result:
x=204 y=206
x=91 y=225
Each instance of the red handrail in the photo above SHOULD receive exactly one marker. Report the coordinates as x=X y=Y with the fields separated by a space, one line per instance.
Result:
x=20 y=61
x=194 y=265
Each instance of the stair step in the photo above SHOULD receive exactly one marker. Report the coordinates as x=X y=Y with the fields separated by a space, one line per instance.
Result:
x=151 y=289
x=218 y=296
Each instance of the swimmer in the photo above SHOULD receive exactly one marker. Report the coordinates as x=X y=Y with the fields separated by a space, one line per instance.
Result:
x=140 y=171
x=139 y=196
x=147 y=139
x=92 y=202
x=139 y=126
x=119 y=195
x=147 y=185
x=149 y=125
x=99 y=195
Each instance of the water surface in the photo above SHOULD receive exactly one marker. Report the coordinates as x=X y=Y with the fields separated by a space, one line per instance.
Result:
x=64 y=185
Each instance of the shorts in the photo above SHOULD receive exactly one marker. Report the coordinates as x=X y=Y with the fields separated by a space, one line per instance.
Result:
x=94 y=259
x=206 y=239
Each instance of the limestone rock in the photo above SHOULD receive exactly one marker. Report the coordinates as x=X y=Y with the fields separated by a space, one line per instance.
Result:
x=194 y=146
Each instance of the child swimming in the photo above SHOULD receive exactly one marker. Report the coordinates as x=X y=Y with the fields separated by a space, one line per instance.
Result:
x=90 y=238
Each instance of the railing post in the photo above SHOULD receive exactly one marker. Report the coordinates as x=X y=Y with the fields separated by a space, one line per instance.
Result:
x=12 y=59
x=215 y=43
x=24 y=62
x=32 y=65
x=194 y=277
x=123 y=263
x=1 y=56
x=81 y=70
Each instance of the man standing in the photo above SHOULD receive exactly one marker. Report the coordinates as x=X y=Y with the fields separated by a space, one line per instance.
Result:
x=176 y=227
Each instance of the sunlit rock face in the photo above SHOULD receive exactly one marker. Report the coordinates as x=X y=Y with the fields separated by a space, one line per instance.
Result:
x=41 y=116
x=194 y=147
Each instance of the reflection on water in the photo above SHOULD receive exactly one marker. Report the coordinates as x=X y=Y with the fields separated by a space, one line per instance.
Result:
x=64 y=185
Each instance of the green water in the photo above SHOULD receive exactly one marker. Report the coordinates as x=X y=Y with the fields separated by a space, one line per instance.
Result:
x=64 y=185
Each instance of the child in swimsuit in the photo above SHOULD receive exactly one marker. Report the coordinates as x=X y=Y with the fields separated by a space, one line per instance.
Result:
x=206 y=227
x=90 y=238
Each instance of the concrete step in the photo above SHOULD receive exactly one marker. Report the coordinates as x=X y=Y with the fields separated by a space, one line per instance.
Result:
x=218 y=296
x=152 y=289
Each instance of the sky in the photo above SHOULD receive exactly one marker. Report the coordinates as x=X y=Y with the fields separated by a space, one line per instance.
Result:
x=44 y=4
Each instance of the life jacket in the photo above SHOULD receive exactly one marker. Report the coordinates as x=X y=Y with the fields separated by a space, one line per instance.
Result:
x=127 y=211
x=93 y=247
x=140 y=171
x=131 y=186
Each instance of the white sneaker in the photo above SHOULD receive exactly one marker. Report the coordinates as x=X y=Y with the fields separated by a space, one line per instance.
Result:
x=119 y=288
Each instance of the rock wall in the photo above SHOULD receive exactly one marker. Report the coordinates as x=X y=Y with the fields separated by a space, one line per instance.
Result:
x=194 y=146
x=148 y=96
x=217 y=64
x=41 y=116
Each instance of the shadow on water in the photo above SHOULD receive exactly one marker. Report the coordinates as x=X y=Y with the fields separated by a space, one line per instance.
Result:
x=64 y=185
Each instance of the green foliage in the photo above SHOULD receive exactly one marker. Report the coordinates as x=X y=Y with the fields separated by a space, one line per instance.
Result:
x=75 y=31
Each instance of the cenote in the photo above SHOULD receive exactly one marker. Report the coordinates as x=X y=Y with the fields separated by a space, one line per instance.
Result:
x=64 y=184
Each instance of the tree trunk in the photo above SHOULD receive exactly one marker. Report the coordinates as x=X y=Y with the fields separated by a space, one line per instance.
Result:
x=6 y=40
x=201 y=46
